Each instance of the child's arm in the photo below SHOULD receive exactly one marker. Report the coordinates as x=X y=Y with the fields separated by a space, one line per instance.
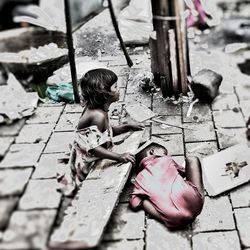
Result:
x=150 y=209
x=106 y=154
x=117 y=130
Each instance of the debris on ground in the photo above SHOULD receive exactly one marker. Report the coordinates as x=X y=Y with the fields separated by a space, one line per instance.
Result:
x=224 y=170
x=205 y=85
x=15 y=103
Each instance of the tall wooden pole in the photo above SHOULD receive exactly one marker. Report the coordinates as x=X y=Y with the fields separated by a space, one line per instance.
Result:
x=159 y=46
x=71 y=51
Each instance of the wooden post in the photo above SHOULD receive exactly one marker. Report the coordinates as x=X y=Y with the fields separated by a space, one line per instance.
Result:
x=71 y=51
x=160 y=48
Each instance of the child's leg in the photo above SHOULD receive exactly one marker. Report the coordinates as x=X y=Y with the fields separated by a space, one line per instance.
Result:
x=150 y=209
x=193 y=173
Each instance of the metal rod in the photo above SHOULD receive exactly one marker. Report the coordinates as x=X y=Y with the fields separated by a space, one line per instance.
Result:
x=71 y=51
x=112 y=14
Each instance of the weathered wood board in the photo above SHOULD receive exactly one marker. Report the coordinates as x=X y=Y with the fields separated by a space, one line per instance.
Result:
x=85 y=219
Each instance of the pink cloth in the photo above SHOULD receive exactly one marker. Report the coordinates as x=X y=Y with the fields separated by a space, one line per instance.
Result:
x=159 y=181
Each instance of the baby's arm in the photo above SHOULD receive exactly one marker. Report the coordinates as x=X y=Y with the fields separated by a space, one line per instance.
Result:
x=117 y=130
x=106 y=154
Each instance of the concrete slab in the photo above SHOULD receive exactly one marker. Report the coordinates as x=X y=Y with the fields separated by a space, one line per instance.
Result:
x=59 y=142
x=13 y=181
x=35 y=133
x=46 y=115
x=68 y=122
x=40 y=194
x=5 y=143
x=225 y=102
x=159 y=237
x=217 y=240
x=22 y=155
x=242 y=216
x=199 y=132
x=73 y=108
x=28 y=230
x=121 y=225
x=211 y=217
x=240 y=197
x=228 y=119
x=6 y=209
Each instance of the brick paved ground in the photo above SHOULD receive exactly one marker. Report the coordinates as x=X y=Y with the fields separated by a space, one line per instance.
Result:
x=30 y=205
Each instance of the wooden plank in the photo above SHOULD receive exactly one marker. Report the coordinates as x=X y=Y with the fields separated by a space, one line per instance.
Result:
x=173 y=60
x=87 y=216
x=181 y=43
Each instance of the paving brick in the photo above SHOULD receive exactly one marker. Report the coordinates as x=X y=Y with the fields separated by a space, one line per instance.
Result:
x=45 y=115
x=121 y=225
x=200 y=113
x=12 y=129
x=13 y=181
x=199 y=132
x=122 y=81
x=22 y=155
x=162 y=106
x=68 y=122
x=6 y=209
x=228 y=119
x=216 y=240
x=158 y=237
x=5 y=143
x=242 y=216
x=240 y=197
x=73 y=108
x=243 y=92
x=35 y=133
x=179 y=159
x=158 y=128
x=201 y=149
x=123 y=245
x=120 y=70
x=47 y=166
x=40 y=194
x=230 y=137
x=173 y=143
x=28 y=230
x=59 y=142
x=211 y=217
x=245 y=107
x=144 y=99
x=225 y=102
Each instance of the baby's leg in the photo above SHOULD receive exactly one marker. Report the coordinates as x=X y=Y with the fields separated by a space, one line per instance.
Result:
x=193 y=173
x=150 y=209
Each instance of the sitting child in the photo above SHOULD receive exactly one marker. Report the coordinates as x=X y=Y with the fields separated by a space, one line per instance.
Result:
x=94 y=132
x=165 y=190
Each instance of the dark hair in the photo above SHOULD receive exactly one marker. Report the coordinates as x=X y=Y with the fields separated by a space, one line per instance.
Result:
x=95 y=87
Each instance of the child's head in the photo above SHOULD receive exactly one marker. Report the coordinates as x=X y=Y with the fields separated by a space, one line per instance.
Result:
x=152 y=149
x=96 y=87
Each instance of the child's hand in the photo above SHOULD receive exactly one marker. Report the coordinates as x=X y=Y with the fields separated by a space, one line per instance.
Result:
x=126 y=157
x=135 y=126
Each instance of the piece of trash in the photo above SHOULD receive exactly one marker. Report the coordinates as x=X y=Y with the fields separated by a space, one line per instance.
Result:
x=191 y=107
x=235 y=47
x=226 y=169
x=205 y=85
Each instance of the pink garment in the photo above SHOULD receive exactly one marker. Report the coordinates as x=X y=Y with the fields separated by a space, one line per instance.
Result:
x=159 y=181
